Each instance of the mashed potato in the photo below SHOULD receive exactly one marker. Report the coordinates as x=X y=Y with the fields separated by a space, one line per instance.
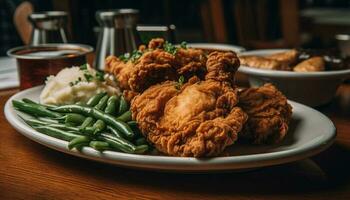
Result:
x=71 y=85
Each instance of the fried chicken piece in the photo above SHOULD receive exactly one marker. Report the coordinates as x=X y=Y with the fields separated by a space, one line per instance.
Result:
x=263 y=63
x=156 y=65
x=121 y=70
x=314 y=64
x=288 y=57
x=152 y=67
x=199 y=119
x=190 y=62
x=268 y=114
x=222 y=66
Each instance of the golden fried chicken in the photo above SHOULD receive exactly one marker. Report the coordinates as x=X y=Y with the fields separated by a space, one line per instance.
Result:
x=263 y=63
x=314 y=64
x=159 y=62
x=288 y=57
x=222 y=66
x=199 y=118
x=268 y=114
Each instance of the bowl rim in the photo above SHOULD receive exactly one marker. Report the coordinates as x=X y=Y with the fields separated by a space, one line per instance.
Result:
x=281 y=74
x=217 y=46
x=86 y=49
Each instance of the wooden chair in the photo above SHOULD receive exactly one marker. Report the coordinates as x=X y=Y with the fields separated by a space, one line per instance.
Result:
x=20 y=19
x=252 y=23
x=213 y=21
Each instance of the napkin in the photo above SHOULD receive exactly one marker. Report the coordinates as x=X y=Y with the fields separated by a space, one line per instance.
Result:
x=8 y=73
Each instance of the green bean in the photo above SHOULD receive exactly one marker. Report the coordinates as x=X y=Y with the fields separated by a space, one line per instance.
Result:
x=115 y=132
x=48 y=120
x=107 y=118
x=134 y=127
x=141 y=149
x=26 y=100
x=118 y=143
x=99 y=126
x=64 y=127
x=93 y=101
x=32 y=121
x=74 y=118
x=34 y=109
x=57 y=133
x=80 y=103
x=90 y=130
x=99 y=145
x=87 y=122
x=140 y=141
x=123 y=105
x=112 y=104
x=78 y=141
x=102 y=103
x=132 y=123
x=125 y=116
x=87 y=111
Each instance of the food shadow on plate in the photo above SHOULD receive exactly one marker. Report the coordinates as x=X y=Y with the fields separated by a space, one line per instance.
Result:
x=243 y=147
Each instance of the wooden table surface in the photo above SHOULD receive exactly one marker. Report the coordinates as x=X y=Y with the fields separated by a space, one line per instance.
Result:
x=31 y=171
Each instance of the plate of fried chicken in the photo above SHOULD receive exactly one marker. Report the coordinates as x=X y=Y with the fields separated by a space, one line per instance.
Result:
x=187 y=106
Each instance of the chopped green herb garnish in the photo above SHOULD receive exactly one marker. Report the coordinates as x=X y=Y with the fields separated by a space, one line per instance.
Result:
x=135 y=55
x=180 y=82
x=125 y=57
x=83 y=67
x=100 y=76
x=88 y=77
x=170 y=48
x=183 y=45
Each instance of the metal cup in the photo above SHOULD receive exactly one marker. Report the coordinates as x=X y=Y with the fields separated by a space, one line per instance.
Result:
x=117 y=35
x=48 y=27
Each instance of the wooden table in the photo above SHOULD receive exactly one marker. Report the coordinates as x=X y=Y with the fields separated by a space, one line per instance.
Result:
x=31 y=171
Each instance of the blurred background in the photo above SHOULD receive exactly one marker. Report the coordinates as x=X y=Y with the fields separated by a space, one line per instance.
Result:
x=253 y=24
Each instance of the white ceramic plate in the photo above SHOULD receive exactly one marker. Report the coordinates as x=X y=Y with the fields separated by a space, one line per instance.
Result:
x=217 y=46
x=310 y=133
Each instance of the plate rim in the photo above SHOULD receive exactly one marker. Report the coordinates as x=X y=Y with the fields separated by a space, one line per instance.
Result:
x=175 y=163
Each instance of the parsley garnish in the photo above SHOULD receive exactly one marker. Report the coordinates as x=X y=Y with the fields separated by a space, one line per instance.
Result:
x=180 y=82
x=183 y=45
x=170 y=48
x=99 y=76
x=83 y=67
x=135 y=55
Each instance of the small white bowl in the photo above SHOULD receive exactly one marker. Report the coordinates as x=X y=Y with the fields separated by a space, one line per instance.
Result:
x=310 y=88
x=217 y=46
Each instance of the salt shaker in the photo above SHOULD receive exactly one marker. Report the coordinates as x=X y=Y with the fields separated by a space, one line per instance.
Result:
x=48 y=27
x=117 y=35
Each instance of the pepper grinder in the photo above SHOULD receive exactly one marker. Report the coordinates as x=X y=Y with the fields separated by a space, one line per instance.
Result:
x=118 y=34
x=48 y=27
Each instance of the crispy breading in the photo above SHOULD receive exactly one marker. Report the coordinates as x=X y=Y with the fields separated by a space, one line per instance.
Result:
x=156 y=65
x=263 y=63
x=288 y=57
x=268 y=112
x=199 y=120
x=314 y=64
x=222 y=66
x=153 y=67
